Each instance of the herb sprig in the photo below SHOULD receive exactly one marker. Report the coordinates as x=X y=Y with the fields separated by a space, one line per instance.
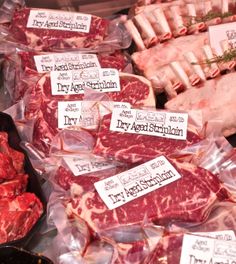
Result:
x=210 y=15
x=227 y=56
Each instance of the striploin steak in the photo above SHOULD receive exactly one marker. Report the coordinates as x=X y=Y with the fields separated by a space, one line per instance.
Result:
x=131 y=148
x=48 y=39
x=189 y=199
x=43 y=106
x=22 y=73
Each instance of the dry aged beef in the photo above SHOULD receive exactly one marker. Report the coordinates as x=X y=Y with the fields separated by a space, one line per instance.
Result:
x=215 y=99
x=65 y=178
x=152 y=24
x=168 y=250
x=132 y=148
x=189 y=199
x=133 y=246
x=43 y=106
x=18 y=215
x=48 y=39
x=21 y=69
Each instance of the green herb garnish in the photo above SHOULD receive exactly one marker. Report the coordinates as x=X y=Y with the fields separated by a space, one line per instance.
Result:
x=210 y=15
x=227 y=56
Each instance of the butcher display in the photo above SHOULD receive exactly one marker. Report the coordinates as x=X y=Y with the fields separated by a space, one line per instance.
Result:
x=18 y=215
x=24 y=69
x=43 y=106
x=160 y=22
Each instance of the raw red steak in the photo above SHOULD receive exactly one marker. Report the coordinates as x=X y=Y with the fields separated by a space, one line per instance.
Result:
x=7 y=171
x=132 y=148
x=65 y=178
x=43 y=106
x=21 y=70
x=189 y=199
x=168 y=250
x=18 y=216
x=14 y=187
x=48 y=39
x=16 y=156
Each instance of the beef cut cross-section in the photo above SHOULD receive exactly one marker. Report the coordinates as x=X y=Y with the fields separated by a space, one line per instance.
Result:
x=189 y=199
x=18 y=216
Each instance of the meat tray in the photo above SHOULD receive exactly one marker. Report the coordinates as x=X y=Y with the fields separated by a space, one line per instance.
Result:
x=14 y=255
x=7 y=125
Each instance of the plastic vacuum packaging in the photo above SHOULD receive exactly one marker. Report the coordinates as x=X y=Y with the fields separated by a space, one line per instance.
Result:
x=146 y=133
x=54 y=103
x=24 y=68
x=220 y=225
x=102 y=210
x=21 y=208
x=51 y=30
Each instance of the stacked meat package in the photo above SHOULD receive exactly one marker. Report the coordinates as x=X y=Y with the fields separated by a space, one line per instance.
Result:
x=126 y=117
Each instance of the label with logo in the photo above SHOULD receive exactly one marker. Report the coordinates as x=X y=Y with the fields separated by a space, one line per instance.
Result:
x=221 y=33
x=77 y=113
x=198 y=249
x=81 y=166
x=74 y=82
x=65 y=62
x=59 y=20
x=124 y=187
x=85 y=113
x=161 y=124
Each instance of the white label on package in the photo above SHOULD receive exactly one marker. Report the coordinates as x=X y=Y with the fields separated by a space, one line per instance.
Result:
x=223 y=235
x=78 y=113
x=219 y=34
x=197 y=249
x=69 y=113
x=74 y=82
x=161 y=124
x=81 y=166
x=143 y=179
x=65 y=62
x=59 y=20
